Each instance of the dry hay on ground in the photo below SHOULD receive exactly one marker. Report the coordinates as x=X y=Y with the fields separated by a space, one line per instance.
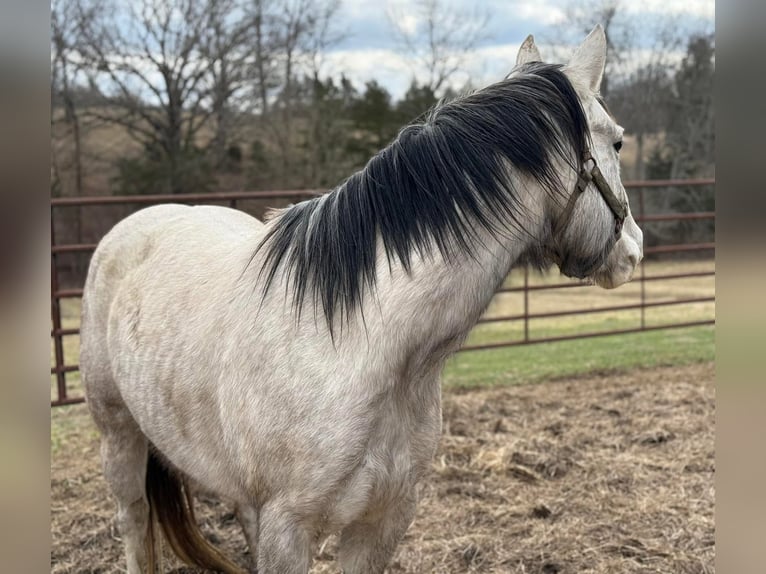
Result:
x=601 y=474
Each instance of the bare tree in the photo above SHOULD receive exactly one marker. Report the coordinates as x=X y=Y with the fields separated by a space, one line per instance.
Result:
x=322 y=34
x=161 y=65
x=437 y=36
x=691 y=130
x=291 y=39
x=291 y=25
x=641 y=95
x=225 y=44
x=641 y=104
x=65 y=20
x=69 y=95
x=263 y=14
x=580 y=17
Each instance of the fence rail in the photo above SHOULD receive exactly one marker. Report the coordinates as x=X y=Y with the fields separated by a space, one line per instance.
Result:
x=232 y=199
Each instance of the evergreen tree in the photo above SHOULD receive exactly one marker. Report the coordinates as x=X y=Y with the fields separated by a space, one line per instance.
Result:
x=416 y=102
x=374 y=120
x=691 y=130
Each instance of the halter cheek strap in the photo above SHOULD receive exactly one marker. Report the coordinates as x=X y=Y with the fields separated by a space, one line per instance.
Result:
x=585 y=177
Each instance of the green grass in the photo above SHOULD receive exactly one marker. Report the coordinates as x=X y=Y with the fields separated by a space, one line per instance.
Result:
x=613 y=353
x=69 y=422
x=504 y=331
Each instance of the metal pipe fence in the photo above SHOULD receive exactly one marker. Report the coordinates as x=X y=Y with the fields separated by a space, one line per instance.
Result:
x=61 y=367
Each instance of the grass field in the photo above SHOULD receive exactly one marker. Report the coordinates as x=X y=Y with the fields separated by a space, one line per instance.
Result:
x=598 y=355
x=569 y=358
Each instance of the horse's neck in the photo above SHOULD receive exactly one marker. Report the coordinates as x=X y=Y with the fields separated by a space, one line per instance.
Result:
x=429 y=312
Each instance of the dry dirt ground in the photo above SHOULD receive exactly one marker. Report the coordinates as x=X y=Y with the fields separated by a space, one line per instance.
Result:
x=604 y=474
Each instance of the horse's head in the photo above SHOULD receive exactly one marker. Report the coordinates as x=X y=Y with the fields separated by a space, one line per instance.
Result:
x=593 y=234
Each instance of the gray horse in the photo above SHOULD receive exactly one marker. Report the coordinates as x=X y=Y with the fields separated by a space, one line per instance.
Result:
x=293 y=366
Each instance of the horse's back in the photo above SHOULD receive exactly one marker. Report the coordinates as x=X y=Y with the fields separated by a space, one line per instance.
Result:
x=129 y=242
x=144 y=244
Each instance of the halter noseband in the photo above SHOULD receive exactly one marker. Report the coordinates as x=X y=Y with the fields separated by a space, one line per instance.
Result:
x=618 y=208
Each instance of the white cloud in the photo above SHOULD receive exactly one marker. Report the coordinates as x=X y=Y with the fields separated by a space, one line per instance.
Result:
x=700 y=8
x=544 y=12
x=408 y=23
x=393 y=71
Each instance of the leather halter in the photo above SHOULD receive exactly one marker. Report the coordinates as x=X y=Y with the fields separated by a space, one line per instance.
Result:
x=618 y=208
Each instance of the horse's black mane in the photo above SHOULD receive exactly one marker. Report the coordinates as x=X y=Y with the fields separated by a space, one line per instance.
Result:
x=436 y=184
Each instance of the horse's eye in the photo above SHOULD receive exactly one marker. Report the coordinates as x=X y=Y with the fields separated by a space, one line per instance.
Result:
x=618 y=146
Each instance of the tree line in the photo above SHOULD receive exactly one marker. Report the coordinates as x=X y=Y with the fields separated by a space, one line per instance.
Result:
x=171 y=96
x=214 y=93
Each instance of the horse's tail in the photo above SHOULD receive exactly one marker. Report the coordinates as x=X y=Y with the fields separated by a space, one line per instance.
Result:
x=171 y=503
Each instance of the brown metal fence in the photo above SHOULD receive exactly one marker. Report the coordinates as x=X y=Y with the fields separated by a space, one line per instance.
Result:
x=61 y=367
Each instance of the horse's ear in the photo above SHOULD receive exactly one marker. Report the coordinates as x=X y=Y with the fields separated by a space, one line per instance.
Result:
x=528 y=52
x=586 y=67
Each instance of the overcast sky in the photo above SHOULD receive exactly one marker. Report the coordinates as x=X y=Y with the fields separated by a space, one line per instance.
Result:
x=369 y=51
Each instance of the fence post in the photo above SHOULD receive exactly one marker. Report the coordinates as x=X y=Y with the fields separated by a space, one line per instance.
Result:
x=58 y=347
x=526 y=303
x=642 y=214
